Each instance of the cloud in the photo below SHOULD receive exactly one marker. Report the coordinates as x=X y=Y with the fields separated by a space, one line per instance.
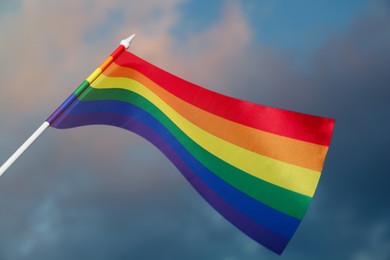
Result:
x=377 y=244
x=50 y=57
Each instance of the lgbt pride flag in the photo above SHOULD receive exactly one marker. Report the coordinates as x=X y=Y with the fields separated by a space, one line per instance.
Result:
x=257 y=166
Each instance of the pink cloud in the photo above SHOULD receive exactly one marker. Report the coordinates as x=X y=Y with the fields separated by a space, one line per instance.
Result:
x=47 y=55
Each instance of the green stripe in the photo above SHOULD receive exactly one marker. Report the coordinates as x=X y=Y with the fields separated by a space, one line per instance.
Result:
x=286 y=201
x=81 y=88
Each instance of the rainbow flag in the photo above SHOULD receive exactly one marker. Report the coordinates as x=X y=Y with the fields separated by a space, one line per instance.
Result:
x=256 y=165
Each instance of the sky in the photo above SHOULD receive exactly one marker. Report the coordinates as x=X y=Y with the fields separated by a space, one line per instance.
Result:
x=99 y=192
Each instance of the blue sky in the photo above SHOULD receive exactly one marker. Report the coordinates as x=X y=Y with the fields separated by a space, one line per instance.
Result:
x=103 y=193
x=299 y=27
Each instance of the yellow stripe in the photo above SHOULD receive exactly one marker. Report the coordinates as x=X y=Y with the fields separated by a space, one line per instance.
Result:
x=94 y=75
x=288 y=176
x=285 y=149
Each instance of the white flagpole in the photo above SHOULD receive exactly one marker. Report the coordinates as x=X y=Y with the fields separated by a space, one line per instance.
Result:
x=124 y=43
x=24 y=147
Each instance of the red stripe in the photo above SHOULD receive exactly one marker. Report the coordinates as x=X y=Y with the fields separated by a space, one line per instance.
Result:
x=118 y=51
x=291 y=124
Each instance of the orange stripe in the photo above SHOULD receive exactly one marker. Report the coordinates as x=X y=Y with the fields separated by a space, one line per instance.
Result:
x=278 y=147
x=105 y=63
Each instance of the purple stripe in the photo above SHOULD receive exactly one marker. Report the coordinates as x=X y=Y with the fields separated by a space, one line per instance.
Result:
x=56 y=114
x=247 y=225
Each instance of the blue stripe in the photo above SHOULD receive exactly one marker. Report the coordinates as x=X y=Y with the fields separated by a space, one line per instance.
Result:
x=268 y=217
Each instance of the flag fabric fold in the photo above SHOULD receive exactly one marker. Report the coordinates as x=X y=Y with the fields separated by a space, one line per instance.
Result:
x=258 y=166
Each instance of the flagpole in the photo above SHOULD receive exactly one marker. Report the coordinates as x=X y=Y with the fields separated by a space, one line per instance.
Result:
x=24 y=147
x=124 y=44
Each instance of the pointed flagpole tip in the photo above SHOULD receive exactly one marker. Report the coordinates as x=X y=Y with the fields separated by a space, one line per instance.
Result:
x=126 y=42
